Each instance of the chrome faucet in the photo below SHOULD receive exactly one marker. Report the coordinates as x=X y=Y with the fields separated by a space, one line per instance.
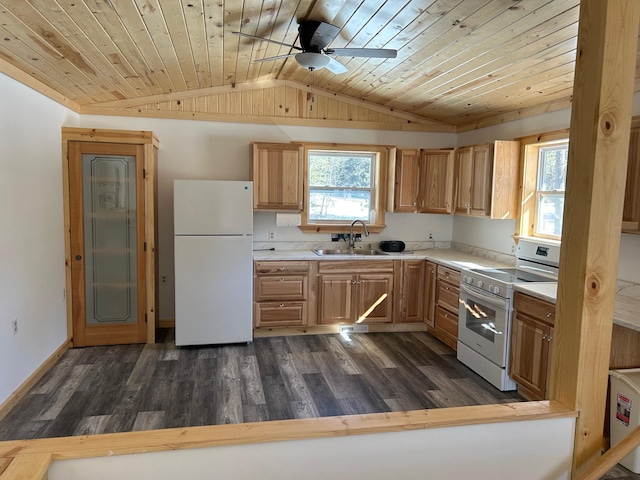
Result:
x=352 y=238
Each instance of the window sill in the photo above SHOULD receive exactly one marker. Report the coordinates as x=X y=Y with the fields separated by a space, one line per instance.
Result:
x=531 y=238
x=340 y=228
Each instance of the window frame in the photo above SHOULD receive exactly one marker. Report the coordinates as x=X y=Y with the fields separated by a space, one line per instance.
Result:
x=530 y=153
x=381 y=153
x=549 y=193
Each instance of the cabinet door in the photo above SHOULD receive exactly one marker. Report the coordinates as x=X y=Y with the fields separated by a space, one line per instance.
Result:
x=277 y=176
x=373 y=297
x=464 y=171
x=108 y=238
x=631 y=209
x=335 y=298
x=412 y=290
x=430 y=294
x=530 y=354
x=406 y=187
x=436 y=181
x=481 y=180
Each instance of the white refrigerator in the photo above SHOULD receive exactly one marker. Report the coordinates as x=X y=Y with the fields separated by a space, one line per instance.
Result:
x=213 y=244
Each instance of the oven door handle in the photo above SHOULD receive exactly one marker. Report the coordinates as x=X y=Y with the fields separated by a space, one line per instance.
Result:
x=490 y=300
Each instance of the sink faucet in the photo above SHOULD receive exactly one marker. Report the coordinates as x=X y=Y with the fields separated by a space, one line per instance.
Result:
x=352 y=237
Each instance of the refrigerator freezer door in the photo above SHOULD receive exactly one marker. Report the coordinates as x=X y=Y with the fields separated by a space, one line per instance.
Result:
x=214 y=291
x=212 y=207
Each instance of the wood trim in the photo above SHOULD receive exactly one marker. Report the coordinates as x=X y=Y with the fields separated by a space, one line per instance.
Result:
x=28 y=384
x=598 y=153
x=32 y=467
x=270 y=120
x=612 y=456
x=109 y=136
x=166 y=323
x=148 y=224
x=37 y=85
x=87 y=446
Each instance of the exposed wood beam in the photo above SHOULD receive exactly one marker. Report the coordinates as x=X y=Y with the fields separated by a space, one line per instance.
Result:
x=599 y=134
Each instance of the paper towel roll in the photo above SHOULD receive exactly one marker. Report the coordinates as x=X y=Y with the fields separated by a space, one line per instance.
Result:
x=288 y=219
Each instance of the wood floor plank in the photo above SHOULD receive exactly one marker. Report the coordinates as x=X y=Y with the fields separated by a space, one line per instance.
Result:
x=326 y=403
x=251 y=385
x=227 y=396
x=149 y=421
x=92 y=425
x=382 y=360
x=62 y=395
x=275 y=393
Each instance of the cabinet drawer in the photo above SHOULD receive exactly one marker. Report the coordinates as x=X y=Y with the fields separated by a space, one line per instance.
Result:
x=282 y=267
x=447 y=274
x=536 y=308
x=355 y=266
x=274 y=314
x=285 y=287
x=448 y=296
x=447 y=322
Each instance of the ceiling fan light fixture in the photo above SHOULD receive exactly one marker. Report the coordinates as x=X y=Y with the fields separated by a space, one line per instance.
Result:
x=312 y=61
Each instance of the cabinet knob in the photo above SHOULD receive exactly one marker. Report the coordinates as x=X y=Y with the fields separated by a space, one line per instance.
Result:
x=281 y=305
x=281 y=268
x=446 y=315
x=78 y=257
x=414 y=204
x=353 y=282
x=549 y=314
x=544 y=337
x=282 y=279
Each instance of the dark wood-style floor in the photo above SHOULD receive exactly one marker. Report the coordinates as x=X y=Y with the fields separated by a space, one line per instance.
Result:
x=135 y=387
x=140 y=387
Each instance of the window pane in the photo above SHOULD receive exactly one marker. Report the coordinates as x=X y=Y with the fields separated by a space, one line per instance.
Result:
x=553 y=168
x=329 y=204
x=341 y=170
x=549 y=214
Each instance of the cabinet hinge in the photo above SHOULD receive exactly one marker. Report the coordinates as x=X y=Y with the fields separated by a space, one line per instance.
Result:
x=144 y=173
x=145 y=246
x=145 y=318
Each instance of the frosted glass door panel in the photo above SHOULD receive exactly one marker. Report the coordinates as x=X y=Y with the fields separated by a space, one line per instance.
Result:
x=109 y=201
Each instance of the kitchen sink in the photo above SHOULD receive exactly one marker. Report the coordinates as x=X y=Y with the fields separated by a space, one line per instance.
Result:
x=357 y=251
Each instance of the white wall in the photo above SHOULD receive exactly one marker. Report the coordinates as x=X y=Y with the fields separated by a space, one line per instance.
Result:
x=491 y=234
x=536 y=449
x=221 y=151
x=32 y=272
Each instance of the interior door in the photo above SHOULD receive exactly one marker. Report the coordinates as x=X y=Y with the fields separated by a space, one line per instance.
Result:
x=106 y=208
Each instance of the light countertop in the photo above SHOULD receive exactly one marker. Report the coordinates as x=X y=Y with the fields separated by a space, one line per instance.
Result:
x=627 y=307
x=447 y=257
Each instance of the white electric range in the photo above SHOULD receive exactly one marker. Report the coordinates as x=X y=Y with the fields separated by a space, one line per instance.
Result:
x=486 y=309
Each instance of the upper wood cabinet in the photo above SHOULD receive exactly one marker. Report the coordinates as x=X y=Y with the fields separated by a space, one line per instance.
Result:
x=276 y=172
x=631 y=209
x=422 y=181
x=487 y=180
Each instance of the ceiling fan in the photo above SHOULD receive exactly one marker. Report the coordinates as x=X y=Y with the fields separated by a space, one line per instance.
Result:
x=314 y=52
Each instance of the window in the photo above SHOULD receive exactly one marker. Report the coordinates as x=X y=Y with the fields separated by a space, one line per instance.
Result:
x=344 y=183
x=552 y=174
x=543 y=185
x=341 y=185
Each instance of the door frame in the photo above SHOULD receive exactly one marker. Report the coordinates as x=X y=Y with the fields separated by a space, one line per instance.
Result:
x=150 y=146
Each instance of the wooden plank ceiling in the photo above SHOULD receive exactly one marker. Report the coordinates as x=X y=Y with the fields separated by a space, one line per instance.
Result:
x=460 y=63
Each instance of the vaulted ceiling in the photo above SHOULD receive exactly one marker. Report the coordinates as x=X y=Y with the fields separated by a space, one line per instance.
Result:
x=460 y=63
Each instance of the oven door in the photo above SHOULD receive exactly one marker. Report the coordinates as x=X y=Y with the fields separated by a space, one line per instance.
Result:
x=483 y=323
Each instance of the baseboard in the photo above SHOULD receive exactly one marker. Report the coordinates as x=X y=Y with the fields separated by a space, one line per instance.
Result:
x=166 y=323
x=22 y=390
x=324 y=329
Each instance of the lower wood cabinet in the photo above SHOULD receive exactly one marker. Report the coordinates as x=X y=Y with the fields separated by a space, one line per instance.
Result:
x=447 y=295
x=281 y=293
x=531 y=341
x=412 y=295
x=355 y=291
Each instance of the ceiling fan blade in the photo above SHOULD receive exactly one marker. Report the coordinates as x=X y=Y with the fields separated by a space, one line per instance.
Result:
x=335 y=66
x=266 y=40
x=277 y=57
x=314 y=35
x=362 y=52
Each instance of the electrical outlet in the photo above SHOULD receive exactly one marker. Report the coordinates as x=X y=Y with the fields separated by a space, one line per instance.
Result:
x=272 y=235
x=430 y=236
x=163 y=279
x=14 y=326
